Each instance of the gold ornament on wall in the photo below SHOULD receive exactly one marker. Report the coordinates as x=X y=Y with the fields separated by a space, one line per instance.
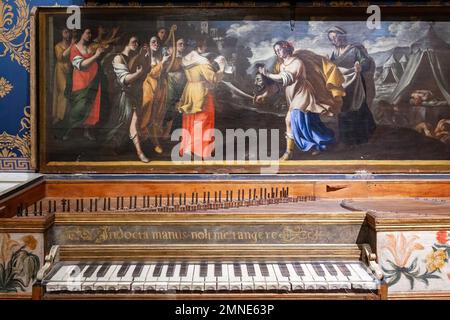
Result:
x=15 y=33
x=5 y=87
x=19 y=145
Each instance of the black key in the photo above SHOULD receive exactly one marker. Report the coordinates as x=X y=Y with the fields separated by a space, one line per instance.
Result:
x=217 y=270
x=103 y=269
x=318 y=269
x=237 y=270
x=331 y=269
x=203 y=269
x=343 y=268
x=284 y=270
x=137 y=270
x=76 y=271
x=264 y=270
x=158 y=270
x=170 y=270
x=183 y=269
x=90 y=270
x=298 y=269
x=251 y=270
x=123 y=270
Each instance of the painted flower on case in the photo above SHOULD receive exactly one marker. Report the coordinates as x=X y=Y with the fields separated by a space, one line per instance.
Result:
x=18 y=266
x=401 y=248
x=436 y=260
x=442 y=237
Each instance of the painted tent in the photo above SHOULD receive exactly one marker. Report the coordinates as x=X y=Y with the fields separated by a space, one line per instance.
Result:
x=403 y=61
x=428 y=68
x=392 y=71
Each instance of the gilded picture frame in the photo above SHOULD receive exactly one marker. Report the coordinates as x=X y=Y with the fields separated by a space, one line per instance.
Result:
x=248 y=89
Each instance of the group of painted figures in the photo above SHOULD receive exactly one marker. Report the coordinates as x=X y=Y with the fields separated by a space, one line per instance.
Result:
x=155 y=83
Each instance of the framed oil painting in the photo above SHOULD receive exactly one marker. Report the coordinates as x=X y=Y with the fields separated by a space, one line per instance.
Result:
x=241 y=89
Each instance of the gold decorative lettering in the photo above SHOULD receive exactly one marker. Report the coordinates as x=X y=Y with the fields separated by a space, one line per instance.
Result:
x=297 y=234
x=102 y=236
x=193 y=234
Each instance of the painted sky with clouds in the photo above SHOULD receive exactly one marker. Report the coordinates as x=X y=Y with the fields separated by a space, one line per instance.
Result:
x=311 y=35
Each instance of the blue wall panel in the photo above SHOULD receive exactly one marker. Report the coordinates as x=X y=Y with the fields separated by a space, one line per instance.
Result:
x=14 y=81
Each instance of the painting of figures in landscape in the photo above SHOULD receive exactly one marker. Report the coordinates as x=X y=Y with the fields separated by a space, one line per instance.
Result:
x=151 y=90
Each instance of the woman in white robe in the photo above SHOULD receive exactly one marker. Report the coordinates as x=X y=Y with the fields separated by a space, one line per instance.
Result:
x=124 y=118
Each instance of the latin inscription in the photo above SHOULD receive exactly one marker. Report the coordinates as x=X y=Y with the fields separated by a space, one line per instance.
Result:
x=201 y=234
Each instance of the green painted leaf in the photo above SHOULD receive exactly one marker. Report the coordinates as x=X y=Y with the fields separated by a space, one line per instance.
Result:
x=413 y=265
x=387 y=271
x=395 y=279
x=393 y=265
x=411 y=280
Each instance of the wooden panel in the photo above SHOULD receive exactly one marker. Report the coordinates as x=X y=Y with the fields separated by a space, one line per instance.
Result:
x=213 y=218
x=217 y=296
x=193 y=253
x=26 y=196
x=331 y=189
x=419 y=296
x=26 y=224
x=340 y=189
x=131 y=188
x=409 y=189
x=15 y=296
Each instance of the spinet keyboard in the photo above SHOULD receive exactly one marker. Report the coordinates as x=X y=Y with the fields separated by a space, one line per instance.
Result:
x=210 y=277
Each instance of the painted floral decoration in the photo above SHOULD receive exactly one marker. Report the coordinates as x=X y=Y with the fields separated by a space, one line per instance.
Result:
x=401 y=249
x=438 y=258
x=18 y=266
x=442 y=237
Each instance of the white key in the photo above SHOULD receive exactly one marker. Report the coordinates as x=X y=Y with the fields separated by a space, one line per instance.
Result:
x=114 y=282
x=367 y=281
x=102 y=283
x=73 y=283
x=174 y=281
x=363 y=271
x=319 y=281
x=260 y=280
x=333 y=283
x=138 y=282
x=271 y=279
x=163 y=280
x=198 y=282
x=88 y=283
x=186 y=281
x=151 y=281
x=61 y=272
x=283 y=282
x=210 y=279
x=355 y=280
x=340 y=276
x=58 y=280
x=248 y=283
x=223 y=281
x=235 y=281
x=294 y=278
x=345 y=283
x=127 y=279
x=307 y=277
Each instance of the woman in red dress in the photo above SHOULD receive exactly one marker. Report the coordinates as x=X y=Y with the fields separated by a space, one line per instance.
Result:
x=197 y=103
x=85 y=88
